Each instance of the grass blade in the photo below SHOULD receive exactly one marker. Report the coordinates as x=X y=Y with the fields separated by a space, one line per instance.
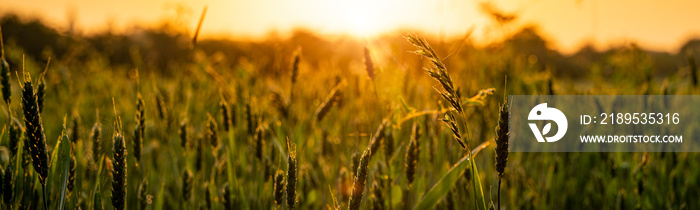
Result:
x=97 y=197
x=160 y=197
x=479 y=196
x=440 y=189
x=443 y=185
x=63 y=166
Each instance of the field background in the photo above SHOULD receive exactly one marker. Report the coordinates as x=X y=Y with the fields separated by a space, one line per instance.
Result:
x=180 y=82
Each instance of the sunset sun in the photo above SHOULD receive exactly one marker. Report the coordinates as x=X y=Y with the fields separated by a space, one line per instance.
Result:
x=349 y=104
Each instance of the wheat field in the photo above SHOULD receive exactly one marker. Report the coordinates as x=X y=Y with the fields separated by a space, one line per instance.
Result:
x=161 y=120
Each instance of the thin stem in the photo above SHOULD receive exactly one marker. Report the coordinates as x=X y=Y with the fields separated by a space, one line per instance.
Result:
x=388 y=165
x=43 y=192
x=468 y=136
x=499 y=194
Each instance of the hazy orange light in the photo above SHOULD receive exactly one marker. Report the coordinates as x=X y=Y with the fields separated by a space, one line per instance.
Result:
x=566 y=24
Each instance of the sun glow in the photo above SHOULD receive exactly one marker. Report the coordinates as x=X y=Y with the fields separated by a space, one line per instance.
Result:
x=362 y=18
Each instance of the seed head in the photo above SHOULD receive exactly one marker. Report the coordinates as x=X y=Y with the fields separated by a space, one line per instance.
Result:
x=160 y=105
x=412 y=152
x=118 y=172
x=140 y=129
x=41 y=93
x=249 y=119
x=279 y=187
x=355 y=161
x=438 y=71
x=295 y=65
x=8 y=187
x=71 y=174
x=333 y=98
x=291 y=177
x=388 y=145
x=360 y=181
x=207 y=195
x=186 y=185
x=5 y=80
x=259 y=143
x=211 y=132
x=15 y=135
x=225 y=115
x=75 y=132
x=502 y=138
x=227 y=201
x=34 y=130
x=95 y=136
x=376 y=140
x=369 y=66
x=377 y=196
x=143 y=194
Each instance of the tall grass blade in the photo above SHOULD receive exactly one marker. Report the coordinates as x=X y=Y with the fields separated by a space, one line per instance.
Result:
x=63 y=167
x=97 y=198
x=442 y=187
x=160 y=198
x=479 y=196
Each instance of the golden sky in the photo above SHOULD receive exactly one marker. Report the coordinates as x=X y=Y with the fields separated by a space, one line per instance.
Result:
x=567 y=24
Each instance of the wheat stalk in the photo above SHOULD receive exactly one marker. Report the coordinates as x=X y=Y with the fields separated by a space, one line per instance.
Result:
x=207 y=195
x=377 y=138
x=4 y=73
x=412 y=151
x=211 y=132
x=438 y=71
x=8 y=187
x=279 y=187
x=227 y=201
x=143 y=194
x=96 y=136
x=71 y=175
x=295 y=73
x=140 y=129
x=75 y=132
x=259 y=143
x=292 y=174
x=15 y=135
x=225 y=115
x=249 y=120
x=501 y=140
x=34 y=129
x=377 y=196
x=118 y=168
x=186 y=185
x=449 y=93
x=41 y=92
x=360 y=181
x=333 y=98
